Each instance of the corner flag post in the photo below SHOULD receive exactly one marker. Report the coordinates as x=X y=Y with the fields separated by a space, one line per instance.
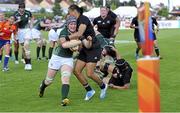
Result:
x=147 y=67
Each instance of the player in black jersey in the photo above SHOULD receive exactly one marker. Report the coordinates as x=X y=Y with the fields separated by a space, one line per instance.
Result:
x=134 y=25
x=88 y=57
x=105 y=24
x=121 y=70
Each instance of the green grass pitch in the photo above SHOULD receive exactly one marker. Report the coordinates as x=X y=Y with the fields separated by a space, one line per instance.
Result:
x=19 y=88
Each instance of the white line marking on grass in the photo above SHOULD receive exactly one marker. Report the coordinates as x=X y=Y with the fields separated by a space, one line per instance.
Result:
x=124 y=41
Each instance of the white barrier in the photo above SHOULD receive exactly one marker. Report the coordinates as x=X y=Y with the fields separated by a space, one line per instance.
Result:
x=165 y=24
x=169 y=24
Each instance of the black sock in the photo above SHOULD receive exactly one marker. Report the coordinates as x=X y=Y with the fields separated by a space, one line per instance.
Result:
x=43 y=85
x=10 y=54
x=16 y=55
x=157 y=51
x=38 y=51
x=65 y=90
x=43 y=51
x=23 y=56
x=28 y=61
x=87 y=87
x=102 y=86
x=137 y=50
x=50 y=52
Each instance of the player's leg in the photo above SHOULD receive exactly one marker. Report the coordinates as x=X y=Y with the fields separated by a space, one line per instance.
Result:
x=79 y=66
x=47 y=81
x=66 y=71
x=51 y=47
x=6 y=58
x=90 y=66
x=39 y=42
x=1 y=54
x=28 y=65
x=44 y=49
x=137 y=39
x=53 y=66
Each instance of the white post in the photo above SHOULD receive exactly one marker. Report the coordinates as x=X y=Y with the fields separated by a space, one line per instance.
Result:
x=104 y=2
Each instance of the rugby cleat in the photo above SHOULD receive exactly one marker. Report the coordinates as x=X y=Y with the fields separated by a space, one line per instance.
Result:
x=89 y=95
x=136 y=56
x=42 y=89
x=16 y=62
x=28 y=67
x=65 y=102
x=5 y=69
x=103 y=92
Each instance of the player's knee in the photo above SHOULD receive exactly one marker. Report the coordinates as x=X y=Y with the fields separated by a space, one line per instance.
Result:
x=90 y=73
x=65 y=75
x=39 y=42
x=26 y=43
x=27 y=51
x=49 y=80
x=44 y=42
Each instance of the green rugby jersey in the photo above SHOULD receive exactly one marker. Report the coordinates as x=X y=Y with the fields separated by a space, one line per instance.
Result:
x=24 y=18
x=59 y=50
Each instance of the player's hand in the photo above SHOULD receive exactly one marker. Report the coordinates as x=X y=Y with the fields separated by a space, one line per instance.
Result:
x=111 y=41
x=111 y=85
x=89 y=38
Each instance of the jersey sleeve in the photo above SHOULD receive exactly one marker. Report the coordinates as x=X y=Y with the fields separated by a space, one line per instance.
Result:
x=15 y=15
x=95 y=21
x=63 y=33
x=30 y=14
x=133 y=21
x=113 y=15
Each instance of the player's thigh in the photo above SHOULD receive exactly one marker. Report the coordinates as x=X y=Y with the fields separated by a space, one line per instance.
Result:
x=79 y=66
x=90 y=66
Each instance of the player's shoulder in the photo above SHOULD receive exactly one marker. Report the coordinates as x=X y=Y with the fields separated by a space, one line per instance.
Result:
x=64 y=32
x=83 y=17
x=16 y=13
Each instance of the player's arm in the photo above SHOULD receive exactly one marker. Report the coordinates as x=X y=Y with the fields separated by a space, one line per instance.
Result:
x=132 y=25
x=43 y=24
x=69 y=44
x=117 y=25
x=87 y=42
x=157 y=25
x=126 y=86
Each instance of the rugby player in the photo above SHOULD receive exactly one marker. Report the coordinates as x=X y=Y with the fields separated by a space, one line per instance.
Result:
x=105 y=25
x=41 y=24
x=88 y=57
x=134 y=25
x=24 y=22
x=62 y=60
x=121 y=71
x=5 y=35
